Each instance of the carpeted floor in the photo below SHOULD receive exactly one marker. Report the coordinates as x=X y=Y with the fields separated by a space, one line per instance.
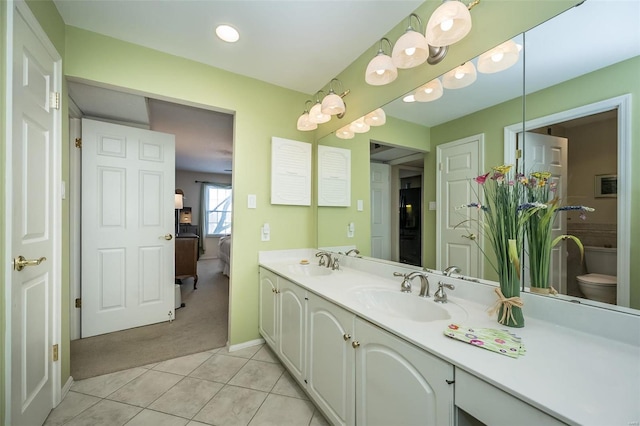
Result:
x=199 y=326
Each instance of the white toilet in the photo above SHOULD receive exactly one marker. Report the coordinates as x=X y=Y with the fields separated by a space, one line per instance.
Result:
x=601 y=282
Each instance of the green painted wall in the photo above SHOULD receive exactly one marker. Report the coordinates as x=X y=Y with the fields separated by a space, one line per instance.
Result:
x=3 y=143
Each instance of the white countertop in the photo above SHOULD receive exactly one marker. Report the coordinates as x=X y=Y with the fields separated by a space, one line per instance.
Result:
x=576 y=376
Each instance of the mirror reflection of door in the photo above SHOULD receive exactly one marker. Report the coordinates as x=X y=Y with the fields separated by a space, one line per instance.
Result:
x=592 y=150
x=396 y=233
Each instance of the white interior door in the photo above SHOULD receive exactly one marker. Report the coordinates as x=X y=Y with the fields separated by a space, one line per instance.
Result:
x=34 y=162
x=380 y=211
x=457 y=231
x=544 y=153
x=128 y=178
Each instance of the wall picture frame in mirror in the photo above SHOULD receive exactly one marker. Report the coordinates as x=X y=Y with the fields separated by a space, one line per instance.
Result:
x=605 y=186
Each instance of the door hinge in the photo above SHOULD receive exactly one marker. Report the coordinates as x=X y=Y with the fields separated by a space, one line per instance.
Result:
x=78 y=142
x=55 y=352
x=54 y=100
x=78 y=303
x=518 y=154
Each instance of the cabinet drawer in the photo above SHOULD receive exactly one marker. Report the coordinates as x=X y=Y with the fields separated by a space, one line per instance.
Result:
x=493 y=406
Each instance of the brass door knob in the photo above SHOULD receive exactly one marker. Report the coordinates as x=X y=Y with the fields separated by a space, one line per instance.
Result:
x=20 y=262
x=470 y=236
x=168 y=237
x=355 y=344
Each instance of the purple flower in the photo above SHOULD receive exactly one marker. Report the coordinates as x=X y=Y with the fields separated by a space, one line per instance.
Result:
x=477 y=342
x=481 y=179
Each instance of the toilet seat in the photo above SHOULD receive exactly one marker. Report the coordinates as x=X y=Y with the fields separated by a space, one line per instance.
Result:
x=598 y=279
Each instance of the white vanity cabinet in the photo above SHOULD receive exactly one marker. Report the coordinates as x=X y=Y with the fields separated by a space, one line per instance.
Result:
x=282 y=320
x=331 y=362
x=398 y=383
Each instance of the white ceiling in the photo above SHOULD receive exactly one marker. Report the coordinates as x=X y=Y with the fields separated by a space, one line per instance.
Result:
x=286 y=43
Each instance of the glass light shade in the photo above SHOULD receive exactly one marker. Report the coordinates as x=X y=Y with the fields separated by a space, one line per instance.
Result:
x=448 y=24
x=376 y=117
x=499 y=58
x=305 y=124
x=317 y=116
x=345 y=133
x=410 y=50
x=409 y=98
x=380 y=70
x=460 y=77
x=332 y=104
x=429 y=92
x=359 y=126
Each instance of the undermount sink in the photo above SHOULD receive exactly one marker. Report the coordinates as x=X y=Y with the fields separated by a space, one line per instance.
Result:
x=309 y=270
x=401 y=305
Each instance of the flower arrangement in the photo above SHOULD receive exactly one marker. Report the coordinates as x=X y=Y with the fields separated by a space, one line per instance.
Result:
x=505 y=217
x=539 y=228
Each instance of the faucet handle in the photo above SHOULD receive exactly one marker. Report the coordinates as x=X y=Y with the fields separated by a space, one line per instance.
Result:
x=335 y=265
x=440 y=296
x=405 y=287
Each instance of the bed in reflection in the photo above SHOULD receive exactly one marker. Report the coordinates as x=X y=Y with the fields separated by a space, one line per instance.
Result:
x=225 y=253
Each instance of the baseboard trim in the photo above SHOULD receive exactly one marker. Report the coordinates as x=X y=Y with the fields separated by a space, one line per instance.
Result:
x=233 y=348
x=66 y=388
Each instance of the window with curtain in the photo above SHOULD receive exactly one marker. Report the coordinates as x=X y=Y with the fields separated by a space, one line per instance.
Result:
x=218 y=210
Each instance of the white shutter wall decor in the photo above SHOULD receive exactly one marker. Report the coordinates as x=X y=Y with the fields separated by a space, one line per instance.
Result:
x=290 y=172
x=334 y=176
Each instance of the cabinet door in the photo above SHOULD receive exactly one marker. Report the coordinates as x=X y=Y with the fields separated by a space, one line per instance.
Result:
x=397 y=383
x=291 y=326
x=268 y=313
x=331 y=372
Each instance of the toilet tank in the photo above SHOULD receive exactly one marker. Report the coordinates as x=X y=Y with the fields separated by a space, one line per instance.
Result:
x=601 y=260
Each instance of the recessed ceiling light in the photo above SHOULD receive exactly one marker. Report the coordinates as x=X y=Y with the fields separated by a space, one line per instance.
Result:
x=227 y=33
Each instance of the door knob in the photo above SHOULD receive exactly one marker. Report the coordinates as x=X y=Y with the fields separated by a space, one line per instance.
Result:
x=470 y=236
x=20 y=262
x=168 y=237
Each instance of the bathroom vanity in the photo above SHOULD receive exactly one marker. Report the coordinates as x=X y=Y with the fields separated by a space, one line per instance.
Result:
x=368 y=354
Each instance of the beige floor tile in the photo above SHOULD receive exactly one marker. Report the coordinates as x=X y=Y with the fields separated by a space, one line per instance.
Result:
x=287 y=386
x=183 y=365
x=187 y=397
x=232 y=406
x=150 y=366
x=280 y=410
x=318 y=419
x=266 y=354
x=146 y=388
x=73 y=404
x=257 y=375
x=194 y=423
x=219 y=368
x=105 y=413
x=149 y=417
x=101 y=386
x=242 y=353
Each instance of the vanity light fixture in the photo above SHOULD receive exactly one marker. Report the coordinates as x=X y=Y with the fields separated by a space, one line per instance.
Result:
x=449 y=23
x=227 y=33
x=315 y=113
x=412 y=48
x=359 y=126
x=381 y=69
x=409 y=98
x=345 y=133
x=460 y=77
x=332 y=104
x=429 y=92
x=304 y=122
x=376 y=117
x=499 y=58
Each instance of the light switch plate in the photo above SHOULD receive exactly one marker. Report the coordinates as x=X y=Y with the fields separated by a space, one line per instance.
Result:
x=251 y=201
x=433 y=205
x=360 y=205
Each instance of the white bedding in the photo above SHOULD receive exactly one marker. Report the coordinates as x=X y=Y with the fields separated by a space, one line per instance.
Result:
x=225 y=253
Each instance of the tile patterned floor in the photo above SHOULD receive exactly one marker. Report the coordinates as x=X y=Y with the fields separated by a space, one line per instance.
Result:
x=246 y=387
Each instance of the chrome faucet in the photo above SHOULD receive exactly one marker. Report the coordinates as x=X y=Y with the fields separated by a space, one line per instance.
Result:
x=450 y=270
x=440 y=296
x=324 y=255
x=353 y=250
x=405 y=287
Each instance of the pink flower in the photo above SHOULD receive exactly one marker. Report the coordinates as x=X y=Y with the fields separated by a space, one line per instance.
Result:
x=481 y=179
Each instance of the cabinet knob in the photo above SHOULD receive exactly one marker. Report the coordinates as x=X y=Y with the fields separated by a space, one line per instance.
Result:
x=346 y=336
x=355 y=344
x=273 y=290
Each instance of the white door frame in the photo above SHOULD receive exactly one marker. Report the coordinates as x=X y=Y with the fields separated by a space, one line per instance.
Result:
x=623 y=105
x=56 y=204
x=439 y=212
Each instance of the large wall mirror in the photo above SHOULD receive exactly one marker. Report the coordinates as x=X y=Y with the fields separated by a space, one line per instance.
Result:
x=565 y=66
